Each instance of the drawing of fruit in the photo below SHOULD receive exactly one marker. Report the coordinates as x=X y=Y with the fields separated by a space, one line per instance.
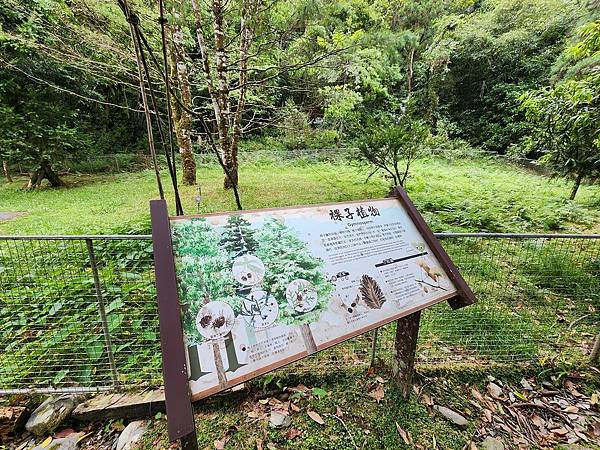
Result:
x=301 y=295
x=215 y=319
x=351 y=305
x=260 y=309
x=248 y=270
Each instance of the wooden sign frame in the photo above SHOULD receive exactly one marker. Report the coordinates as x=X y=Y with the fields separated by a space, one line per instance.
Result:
x=175 y=372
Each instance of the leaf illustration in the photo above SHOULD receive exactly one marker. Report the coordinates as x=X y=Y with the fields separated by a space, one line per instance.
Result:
x=371 y=292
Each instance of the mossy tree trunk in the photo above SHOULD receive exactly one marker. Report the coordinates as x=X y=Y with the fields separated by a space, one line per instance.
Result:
x=44 y=171
x=407 y=332
x=182 y=120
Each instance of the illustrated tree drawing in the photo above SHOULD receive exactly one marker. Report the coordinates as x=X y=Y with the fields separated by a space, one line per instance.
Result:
x=238 y=237
x=286 y=259
x=290 y=287
x=203 y=272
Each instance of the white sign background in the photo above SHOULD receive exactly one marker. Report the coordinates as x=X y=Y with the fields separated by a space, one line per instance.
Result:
x=379 y=268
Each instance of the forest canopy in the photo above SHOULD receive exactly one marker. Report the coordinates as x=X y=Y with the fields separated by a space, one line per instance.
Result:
x=298 y=74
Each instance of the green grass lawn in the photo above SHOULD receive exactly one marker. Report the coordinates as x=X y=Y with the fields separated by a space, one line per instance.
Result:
x=465 y=195
x=529 y=293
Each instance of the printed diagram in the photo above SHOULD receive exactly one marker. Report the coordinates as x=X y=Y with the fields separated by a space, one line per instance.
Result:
x=301 y=295
x=215 y=319
x=343 y=275
x=248 y=270
x=260 y=309
x=368 y=292
x=371 y=292
x=428 y=278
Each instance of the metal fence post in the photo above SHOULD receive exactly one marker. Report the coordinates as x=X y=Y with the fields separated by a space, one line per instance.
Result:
x=102 y=309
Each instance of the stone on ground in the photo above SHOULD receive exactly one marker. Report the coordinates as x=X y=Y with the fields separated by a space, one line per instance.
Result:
x=122 y=406
x=452 y=416
x=11 y=418
x=66 y=443
x=491 y=443
x=132 y=434
x=51 y=413
x=279 y=420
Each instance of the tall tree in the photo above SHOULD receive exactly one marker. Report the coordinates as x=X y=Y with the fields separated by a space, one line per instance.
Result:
x=182 y=119
x=221 y=85
x=243 y=45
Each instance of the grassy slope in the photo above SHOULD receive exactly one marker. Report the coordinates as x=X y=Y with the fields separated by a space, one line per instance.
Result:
x=468 y=195
x=460 y=195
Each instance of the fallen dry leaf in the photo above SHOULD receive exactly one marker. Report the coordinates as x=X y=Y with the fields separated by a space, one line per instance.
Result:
x=316 y=417
x=220 y=443
x=378 y=393
x=570 y=386
x=488 y=415
x=477 y=395
x=339 y=412
x=294 y=407
x=406 y=437
x=427 y=400
x=299 y=388
x=292 y=433
x=537 y=421
x=560 y=431
x=259 y=444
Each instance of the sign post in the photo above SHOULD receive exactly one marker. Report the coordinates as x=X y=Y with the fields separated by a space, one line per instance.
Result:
x=180 y=414
x=241 y=294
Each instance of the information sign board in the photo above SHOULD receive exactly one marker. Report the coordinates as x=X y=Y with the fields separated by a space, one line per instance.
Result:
x=260 y=289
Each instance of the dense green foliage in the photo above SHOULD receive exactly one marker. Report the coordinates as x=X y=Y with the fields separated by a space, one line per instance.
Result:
x=66 y=84
x=322 y=74
x=567 y=115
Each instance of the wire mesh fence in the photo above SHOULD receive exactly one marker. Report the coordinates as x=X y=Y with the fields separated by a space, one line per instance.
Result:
x=79 y=313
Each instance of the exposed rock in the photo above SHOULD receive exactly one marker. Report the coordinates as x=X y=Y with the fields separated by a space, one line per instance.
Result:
x=491 y=443
x=495 y=391
x=51 y=413
x=122 y=406
x=66 y=443
x=11 y=418
x=452 y=416
x=131 y=434
x=279 y=420
x=526 y=385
